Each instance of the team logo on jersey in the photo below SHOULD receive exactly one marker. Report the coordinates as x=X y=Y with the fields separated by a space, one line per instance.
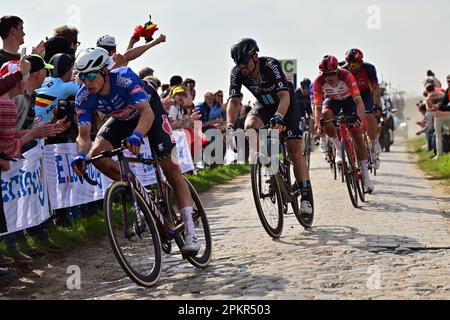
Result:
x=137 y=89
x=82 y=96
x=123 y=81
x=123 y=114
x=167 y=127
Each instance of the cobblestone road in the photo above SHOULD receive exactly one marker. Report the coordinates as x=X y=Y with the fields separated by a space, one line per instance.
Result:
x=396 y=246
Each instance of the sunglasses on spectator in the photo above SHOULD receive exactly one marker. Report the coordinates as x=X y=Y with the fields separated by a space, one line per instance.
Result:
x=220 y=95
x=330 y=74
x=88 y=76
x=244 y=61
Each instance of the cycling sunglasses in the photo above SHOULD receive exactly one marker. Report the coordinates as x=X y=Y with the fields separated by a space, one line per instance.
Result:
x=88 y=76
x=244 y=61
x=330 y=74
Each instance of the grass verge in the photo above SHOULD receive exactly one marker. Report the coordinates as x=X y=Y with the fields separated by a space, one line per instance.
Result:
x=437 y=169
x=93 y=227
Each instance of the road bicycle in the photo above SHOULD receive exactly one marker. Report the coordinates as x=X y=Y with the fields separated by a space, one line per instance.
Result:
x=350 y=166
x=272 y=187
x=141 y=223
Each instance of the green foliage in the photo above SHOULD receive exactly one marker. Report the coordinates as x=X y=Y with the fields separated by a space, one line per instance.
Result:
x=438 y=169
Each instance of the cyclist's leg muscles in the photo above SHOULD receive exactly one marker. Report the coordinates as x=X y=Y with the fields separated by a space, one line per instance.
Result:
x=360 y=146
x=330 y=108
x=106 y=165
x=176 y=180
x=163 y=144
x=294 y=145
x=371 y=119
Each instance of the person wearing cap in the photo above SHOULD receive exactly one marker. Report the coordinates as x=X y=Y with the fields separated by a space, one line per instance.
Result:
x=59 y=86
x=10 y=80
x=178 y=95
x=25 y=102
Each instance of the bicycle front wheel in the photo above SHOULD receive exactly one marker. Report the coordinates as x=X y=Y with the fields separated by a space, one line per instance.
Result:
x=349 y=174
x=137 y=247
x=268 y=199
x=203 y=257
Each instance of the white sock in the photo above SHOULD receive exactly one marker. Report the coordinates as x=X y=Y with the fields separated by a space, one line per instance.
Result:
x=336 y=143
x=186 y=214
x=364 y=170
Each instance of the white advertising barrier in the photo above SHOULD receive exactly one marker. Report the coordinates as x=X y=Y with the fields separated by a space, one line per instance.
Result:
x=66 y=189
x=24 y=192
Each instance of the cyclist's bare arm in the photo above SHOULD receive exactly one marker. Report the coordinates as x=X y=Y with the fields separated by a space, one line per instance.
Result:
x=84 y=138
x=134 y=53
x=233 y=108
x=146 y=118
x=317 y=113
x=285 y=101
x=377 y=94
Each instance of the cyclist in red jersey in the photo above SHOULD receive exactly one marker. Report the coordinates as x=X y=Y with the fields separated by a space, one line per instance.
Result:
x=366 y=77
x=336 y=89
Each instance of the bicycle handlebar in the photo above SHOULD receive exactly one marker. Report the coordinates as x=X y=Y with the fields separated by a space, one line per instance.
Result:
x=110 y=154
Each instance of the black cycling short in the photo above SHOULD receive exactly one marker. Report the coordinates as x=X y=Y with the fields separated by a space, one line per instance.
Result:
x=292 y=119
x=348 y=106
x=159 y=135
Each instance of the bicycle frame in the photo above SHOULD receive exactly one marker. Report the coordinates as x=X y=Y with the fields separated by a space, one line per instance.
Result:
x=158 y=207
x=282 y=176
x=345 y=137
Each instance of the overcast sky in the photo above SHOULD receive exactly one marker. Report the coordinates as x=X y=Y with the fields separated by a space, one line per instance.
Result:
x=402 y=38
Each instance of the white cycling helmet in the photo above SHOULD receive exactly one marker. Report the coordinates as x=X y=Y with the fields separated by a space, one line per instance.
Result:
x=91 y=60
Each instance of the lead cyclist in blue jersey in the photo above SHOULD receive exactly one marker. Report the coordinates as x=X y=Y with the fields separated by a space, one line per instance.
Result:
x=264 y=78
x=135 y=111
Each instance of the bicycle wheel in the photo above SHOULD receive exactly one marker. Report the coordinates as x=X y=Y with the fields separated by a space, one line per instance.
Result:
x=268 y=199
x=138 y=250
x=349 y=174
x=203 y=257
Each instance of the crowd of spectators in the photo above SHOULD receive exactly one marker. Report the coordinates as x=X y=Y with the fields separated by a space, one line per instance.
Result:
x=435 y=115
x=36 y=102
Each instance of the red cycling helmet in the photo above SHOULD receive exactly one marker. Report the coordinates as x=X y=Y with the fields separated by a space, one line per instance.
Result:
x=329 y=63
x=354 y=55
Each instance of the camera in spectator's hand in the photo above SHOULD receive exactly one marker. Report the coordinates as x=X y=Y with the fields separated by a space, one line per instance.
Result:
x=66 y=108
